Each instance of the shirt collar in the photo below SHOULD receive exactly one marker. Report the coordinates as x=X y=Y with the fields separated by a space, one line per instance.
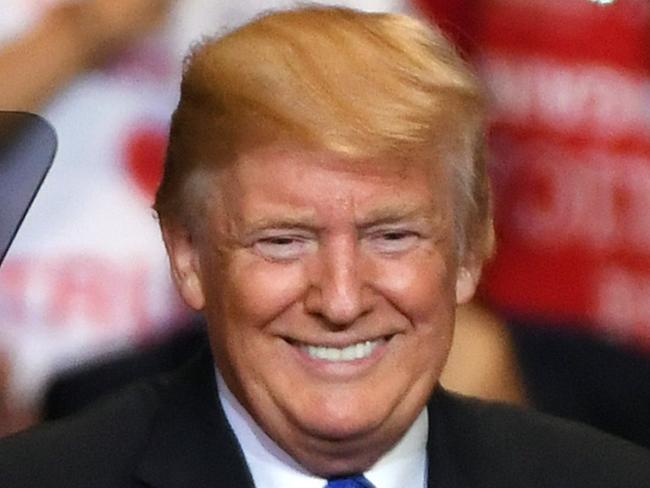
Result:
x=271 y=467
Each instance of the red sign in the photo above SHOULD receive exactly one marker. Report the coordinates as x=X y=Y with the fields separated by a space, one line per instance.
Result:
x=570 y=138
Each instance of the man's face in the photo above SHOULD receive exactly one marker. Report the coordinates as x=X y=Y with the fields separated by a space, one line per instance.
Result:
x=330 y=288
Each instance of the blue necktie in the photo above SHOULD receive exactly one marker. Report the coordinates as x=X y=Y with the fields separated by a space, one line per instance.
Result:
x=358 y=481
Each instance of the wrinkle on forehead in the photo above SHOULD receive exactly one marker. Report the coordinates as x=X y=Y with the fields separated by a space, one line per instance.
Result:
x=282 y=216
x=345 y=185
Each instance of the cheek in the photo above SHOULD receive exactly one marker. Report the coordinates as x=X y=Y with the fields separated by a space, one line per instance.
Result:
x=421 y=287
x=246 y=297
x=256 y=291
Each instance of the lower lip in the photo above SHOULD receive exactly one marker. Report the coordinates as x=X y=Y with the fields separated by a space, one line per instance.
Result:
x=342 y=368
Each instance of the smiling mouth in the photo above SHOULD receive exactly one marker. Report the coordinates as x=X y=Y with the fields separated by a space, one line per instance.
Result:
x=353 y=352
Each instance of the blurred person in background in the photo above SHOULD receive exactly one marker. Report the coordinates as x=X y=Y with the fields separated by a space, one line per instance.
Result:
x=570 y=137
x=86 y=275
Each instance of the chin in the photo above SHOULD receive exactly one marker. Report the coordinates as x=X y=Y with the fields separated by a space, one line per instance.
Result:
x=340 y=432
x=328 y=458
x=339 y=418
x=339 y=444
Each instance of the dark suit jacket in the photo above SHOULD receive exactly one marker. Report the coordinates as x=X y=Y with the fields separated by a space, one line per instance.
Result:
x=172 y=433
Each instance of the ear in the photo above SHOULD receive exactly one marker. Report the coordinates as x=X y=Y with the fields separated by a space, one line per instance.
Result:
x=467 y=278
x=184 y=262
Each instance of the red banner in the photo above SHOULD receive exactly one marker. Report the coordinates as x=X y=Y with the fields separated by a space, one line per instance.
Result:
x=570 y=139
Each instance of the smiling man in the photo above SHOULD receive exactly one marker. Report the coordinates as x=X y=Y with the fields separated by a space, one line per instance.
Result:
x=316 y=227
x=325 y=205
x=329 y=284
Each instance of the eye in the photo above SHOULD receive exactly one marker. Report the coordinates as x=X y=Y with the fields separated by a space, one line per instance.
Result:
x=282 y=247
x=393 y=240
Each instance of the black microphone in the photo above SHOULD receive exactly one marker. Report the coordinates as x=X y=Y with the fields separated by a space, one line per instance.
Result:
x=27 y=148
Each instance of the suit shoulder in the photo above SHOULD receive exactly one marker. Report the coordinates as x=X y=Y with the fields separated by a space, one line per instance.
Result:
x=99 y=443
x=520 y=444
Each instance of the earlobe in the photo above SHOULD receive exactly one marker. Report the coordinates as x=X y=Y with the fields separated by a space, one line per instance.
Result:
x=184 y=262
x=466 y=282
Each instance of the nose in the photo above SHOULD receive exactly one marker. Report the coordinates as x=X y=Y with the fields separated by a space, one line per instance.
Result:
x=338 y=289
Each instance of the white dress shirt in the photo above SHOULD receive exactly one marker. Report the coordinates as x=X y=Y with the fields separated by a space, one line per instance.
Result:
x=403 y=466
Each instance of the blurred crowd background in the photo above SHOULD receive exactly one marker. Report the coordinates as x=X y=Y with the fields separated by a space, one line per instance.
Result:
x=562 y=322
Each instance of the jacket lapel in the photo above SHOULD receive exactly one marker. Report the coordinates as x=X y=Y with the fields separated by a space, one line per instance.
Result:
x=191 y=443
x=443 y=471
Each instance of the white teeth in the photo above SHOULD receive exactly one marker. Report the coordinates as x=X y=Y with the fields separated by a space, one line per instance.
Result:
x=360 y=350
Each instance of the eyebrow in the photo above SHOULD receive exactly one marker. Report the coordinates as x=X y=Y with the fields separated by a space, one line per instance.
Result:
x=304 y=221
x=399 y=213
x=390 y=214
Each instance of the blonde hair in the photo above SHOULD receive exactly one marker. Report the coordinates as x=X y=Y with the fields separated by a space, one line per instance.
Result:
x=359 y=84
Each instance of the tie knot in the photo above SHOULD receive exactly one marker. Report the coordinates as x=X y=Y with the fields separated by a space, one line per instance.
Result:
x=358 y=481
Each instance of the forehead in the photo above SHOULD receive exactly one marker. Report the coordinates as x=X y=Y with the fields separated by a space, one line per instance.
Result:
x=305 y=184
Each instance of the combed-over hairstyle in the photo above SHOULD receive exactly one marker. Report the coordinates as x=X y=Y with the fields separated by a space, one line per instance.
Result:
x=364 y=85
